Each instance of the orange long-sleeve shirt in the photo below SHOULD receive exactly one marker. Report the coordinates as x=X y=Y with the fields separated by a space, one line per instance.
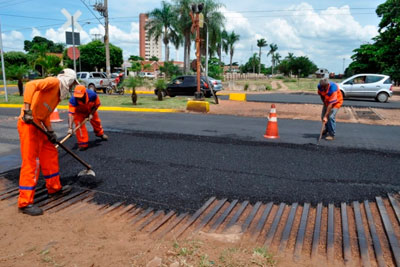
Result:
x=43 y=95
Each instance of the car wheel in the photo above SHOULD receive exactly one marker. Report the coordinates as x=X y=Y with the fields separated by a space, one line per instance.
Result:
x=344 y=96
x=109 y=90
x=382 y=97
x=172 y=95
x=92 y=87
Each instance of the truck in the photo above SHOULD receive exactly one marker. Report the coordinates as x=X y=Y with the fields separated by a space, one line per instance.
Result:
x=95 y=80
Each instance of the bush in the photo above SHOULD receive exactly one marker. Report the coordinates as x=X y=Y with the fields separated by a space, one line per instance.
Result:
x=287 y=80
x=160 y=85
x=246 y=86
x=280 y=77
x=268 y=87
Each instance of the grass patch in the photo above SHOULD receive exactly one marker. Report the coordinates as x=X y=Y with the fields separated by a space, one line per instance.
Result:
x=144 y=101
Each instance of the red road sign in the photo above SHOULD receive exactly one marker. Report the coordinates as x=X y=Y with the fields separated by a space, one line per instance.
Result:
x=70 y=53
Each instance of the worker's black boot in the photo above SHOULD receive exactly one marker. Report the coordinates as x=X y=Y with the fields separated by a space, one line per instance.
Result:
x=31 y=210
x=104 y=137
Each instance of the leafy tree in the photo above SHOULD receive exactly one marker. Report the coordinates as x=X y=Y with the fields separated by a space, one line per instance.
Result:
x=260 y=43
x=230 y=40
x=304 y=65
x=163 y=23
x=135 y=58
x=249 y=66
x=15 y=58
x=154 y=58
x=18 y=72
x=272 y=49
x=93 y=56
x=382 y=56
x=215 y=69
x=170 y=69
x=37 y=40
x=136 y=63
x=50 y=64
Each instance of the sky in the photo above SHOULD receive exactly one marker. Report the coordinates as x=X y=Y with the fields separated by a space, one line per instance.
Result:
x=325 y=31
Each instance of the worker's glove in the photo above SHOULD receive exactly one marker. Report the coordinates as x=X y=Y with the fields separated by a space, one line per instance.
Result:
x=52 y=136
x=27 y=117
x=70 y=131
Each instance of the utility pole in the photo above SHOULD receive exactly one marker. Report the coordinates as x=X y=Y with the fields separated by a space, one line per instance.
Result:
x=73 y=41
x=195 y=16
x=103 y=10
x=2 y=66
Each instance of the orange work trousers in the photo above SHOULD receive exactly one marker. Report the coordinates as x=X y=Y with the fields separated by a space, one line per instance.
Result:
x=38 y=154
x=82 y=133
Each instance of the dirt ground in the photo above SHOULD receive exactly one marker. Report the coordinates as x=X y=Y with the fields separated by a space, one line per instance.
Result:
x=69 y=239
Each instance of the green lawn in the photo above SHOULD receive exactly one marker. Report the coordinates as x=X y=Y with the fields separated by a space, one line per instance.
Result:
x=144 y=101
x=304 y=84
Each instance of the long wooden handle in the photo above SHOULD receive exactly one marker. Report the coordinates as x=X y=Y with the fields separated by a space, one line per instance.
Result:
x=64 y=147
x=74 y=131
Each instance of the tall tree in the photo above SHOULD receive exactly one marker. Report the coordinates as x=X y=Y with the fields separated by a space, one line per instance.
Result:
x=18 y=72
x=182 y=10
x=272 y=49
x=213 y=19
x=260 y=43
x=229 y=45
x=162 y=23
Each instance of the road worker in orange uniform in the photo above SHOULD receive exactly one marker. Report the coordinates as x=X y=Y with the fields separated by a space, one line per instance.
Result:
x=38 y=152
x=332 y=98
x=84 y=104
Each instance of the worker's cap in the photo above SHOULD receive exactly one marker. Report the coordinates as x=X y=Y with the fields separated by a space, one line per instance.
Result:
x=69 y=75
x=79 y=91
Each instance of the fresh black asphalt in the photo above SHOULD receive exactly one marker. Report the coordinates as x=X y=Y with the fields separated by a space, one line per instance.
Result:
x=178 y=161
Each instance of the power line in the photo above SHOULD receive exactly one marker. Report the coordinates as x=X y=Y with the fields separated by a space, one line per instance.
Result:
x=14 y=4
x=29 y=17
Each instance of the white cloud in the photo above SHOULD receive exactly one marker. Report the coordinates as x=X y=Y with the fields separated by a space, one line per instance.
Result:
x=14 y=41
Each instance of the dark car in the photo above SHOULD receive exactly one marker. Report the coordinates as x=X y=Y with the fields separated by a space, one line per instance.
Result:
x=186 y=85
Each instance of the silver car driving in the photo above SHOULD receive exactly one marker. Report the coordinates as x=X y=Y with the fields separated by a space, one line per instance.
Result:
x=376 y=86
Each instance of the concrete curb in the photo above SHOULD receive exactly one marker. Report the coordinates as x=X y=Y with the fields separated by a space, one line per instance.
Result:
x=237 y=97
x=198 y=106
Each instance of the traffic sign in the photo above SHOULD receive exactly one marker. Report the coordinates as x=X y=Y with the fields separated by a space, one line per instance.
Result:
x=68 y=38
x=69 y=19
x=70 y=53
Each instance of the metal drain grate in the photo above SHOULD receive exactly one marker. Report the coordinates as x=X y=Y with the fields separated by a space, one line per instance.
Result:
x=363 y=234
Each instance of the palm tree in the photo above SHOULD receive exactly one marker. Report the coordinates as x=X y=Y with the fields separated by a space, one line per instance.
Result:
x=162 y=23
x=261 y=43
x=272 y=50
x=277 y=59
x=213 y=19
x=18 y=72
x=50 y=64
x=182 y=10
x=229 y=42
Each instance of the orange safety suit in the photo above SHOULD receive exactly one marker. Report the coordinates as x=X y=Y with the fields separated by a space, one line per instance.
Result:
x=80 y=111
x=37 y=152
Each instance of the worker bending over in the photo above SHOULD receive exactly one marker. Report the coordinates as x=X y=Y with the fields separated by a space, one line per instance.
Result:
x=38 y=152
x=332 y=98
x=84 y=104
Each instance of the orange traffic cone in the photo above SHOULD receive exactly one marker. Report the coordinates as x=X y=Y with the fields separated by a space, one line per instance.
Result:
x=55 y=117
x=272 y=128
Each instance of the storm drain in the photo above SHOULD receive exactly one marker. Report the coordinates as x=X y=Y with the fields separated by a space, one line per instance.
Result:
x=360 y=234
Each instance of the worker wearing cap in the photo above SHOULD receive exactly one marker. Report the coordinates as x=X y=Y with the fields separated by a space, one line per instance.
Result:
x=84 y=104
x=332 y=98
x=38 y=152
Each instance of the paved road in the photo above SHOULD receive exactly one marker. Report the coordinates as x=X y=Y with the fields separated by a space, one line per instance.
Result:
x=305 y=98
x=179 y=160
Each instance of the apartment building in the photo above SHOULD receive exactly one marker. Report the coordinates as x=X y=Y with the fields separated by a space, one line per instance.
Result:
x=148 y=47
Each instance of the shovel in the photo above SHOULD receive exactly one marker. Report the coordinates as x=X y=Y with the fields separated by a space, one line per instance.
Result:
x=322 y=130
x=86 y=172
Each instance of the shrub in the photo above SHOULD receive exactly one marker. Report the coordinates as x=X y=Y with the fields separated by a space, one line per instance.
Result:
x=160 y=85
x=246 y=86
x=268 y=87
x=280 y=77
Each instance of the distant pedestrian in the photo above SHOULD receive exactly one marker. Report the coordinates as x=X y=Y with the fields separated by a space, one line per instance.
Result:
x=332 y=98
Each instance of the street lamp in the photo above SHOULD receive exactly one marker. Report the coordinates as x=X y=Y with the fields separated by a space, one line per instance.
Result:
x=196 y=24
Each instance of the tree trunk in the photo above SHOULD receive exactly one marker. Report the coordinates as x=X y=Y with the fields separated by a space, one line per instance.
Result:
x=20 y=87
x=259 y=63
x=166 y=42
x=187 y=52
x=231 y=52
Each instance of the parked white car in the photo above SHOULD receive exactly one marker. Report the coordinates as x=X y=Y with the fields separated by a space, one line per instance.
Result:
x=148 y=75
x=376 y=86
x=95 y=80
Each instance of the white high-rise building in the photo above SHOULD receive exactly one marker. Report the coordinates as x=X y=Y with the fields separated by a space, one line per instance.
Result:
x=148 y=47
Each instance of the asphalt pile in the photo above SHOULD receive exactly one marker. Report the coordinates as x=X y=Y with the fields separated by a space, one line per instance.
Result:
x=180 y=172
